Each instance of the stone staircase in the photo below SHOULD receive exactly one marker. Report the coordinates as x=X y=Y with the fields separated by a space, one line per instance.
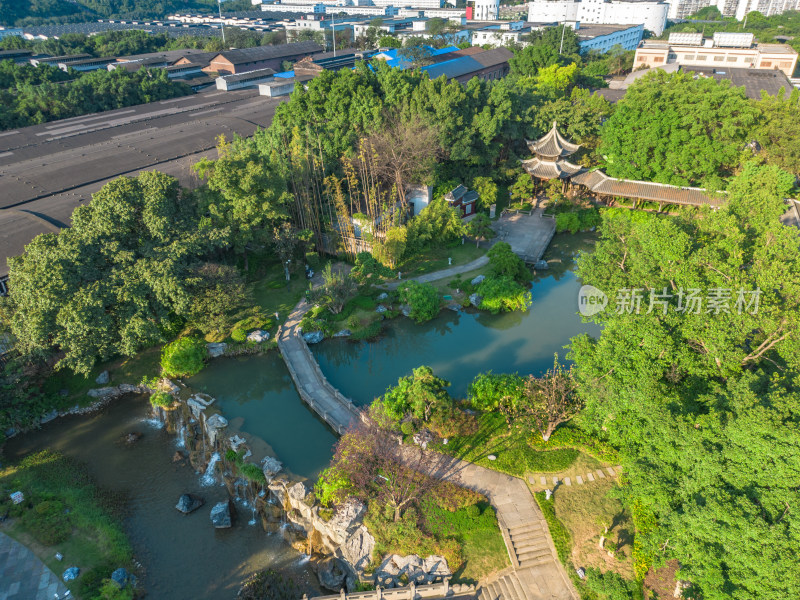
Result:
x=530 y=544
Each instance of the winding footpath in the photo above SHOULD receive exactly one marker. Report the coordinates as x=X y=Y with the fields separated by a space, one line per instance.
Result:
x=23 y=576
x=535 y=572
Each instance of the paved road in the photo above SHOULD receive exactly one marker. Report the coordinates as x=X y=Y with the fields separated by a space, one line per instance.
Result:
x=23 y=576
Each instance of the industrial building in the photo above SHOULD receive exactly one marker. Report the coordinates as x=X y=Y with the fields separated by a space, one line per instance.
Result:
x=260 y=57
x=724 y=51
x=240 y=81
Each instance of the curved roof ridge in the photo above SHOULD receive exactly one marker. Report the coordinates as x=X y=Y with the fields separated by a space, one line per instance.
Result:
x=553 y=144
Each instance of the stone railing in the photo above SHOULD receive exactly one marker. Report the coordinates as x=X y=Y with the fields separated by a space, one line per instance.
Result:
x=504 y=530
x=410 y=592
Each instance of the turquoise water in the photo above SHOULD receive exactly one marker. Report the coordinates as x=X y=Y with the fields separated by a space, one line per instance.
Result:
x=260 y=390
x=458 y=346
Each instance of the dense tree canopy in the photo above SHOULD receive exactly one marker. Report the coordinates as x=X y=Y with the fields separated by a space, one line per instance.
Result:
x=36 y=97
x=695 y=378
x=114 y=282
x=674 y=129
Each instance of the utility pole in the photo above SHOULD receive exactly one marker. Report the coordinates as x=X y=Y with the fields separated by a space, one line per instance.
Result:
x=221 y=24
x=333 y=33
x=561 y=47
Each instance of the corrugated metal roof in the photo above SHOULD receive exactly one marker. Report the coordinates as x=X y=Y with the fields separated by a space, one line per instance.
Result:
x=259 y=53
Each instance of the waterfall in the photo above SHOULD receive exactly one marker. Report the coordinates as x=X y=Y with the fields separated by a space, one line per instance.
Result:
x=253 y=520
x=209 y=477
x=181 y=441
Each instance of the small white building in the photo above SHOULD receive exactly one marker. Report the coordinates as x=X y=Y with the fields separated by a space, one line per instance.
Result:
x=244 y=80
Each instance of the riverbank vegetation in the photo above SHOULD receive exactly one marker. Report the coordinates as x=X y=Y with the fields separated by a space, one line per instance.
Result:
x=64 y=512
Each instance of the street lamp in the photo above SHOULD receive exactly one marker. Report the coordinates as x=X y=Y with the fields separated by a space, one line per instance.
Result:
x=221 y=23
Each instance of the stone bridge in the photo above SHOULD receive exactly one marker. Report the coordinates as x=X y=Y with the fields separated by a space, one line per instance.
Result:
x=535 y=572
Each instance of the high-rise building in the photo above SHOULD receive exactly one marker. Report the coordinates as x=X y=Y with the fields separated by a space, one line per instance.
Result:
x=486 y=10
x=680 y=9
x=650 y=13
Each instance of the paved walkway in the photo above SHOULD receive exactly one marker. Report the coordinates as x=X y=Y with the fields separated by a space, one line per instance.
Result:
x=443 y=274
x=23 y=576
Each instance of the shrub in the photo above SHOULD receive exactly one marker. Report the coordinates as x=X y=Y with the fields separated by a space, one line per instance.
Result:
x=161 y=399
x=312 y=260
x=111 y=591
x=611 y=586
x=487 y=389
x=504 y=263
x=407 y=428
x=562 y=539
x=331 y=487
x=369 y=269
x=239 y=335
x=503 y=294
x=568 y=221
x=184 y=357
x=48 y=522
x=474 y=511
x=422 y=298
x=353 y=322
x=252 y=473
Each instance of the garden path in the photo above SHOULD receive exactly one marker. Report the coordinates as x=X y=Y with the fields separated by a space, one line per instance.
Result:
x=23 y=576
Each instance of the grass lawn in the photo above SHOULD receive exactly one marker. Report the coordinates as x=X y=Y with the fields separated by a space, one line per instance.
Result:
x=435 y=259
x=64 y=512
x=122 y=370
x=274 y=294
x=585 y=510
x=518 y=454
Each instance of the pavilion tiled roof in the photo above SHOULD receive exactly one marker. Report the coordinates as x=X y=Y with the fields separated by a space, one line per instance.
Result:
x=550 y=169
x=553 y=145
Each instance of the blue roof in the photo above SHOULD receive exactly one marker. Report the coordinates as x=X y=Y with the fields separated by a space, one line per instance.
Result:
x=453 y=68
x=285 y=74
x=396 y=59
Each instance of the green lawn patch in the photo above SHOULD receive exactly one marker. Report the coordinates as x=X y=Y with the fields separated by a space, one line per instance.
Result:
x=64 y=512
x=560 y=534
x=514 y=453
x=436 y=259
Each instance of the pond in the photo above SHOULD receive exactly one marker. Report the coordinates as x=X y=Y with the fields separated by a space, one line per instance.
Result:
x=183 y=556
x=458 y=346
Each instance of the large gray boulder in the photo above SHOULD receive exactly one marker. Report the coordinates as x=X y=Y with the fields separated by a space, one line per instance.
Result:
x=216 y=349
x=103 y=378
x=381 y=309
x=214 y=425
x=258 y=336
x=121 y=577
x=332 y=573
x=271 y=467
x=347 y=515
x=221 y=515
x=405 y=309
x=188 y=503
x=343 y=333
x=358 y=548
x=298 y=492
x=313 y=337
x=478 y=280
x=475 y=300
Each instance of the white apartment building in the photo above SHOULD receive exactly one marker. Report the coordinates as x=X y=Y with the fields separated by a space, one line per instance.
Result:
x=485 y=10
x=726 y=50
x=650 y=13
x=680 y=9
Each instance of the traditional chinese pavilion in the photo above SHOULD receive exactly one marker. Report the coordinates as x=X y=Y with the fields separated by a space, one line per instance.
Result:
x=550 y=162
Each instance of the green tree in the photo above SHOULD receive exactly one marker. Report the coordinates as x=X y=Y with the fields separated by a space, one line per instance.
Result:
x=487 y=191
x=522 y=188
x=113 y=283
x=504 y=263
x=247 y=197
x=489 y=390
x=700 y=391
x=337 y=289
x=779 y=130
x=417 y=52
x=674 y=129
x=480 y=228
x=437 y=224
x=503 y=294
x=418 y=395
x=422 y=298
